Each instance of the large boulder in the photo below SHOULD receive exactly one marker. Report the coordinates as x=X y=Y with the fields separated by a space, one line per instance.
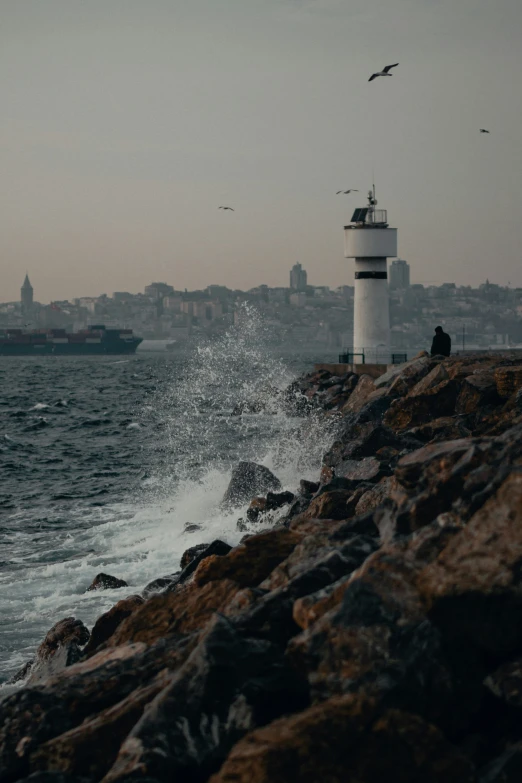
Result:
x=249 y=479
x=106 y=582
x=106 y=625
x=477 y=391
x=229 y=686
x=473 y=588
x=360 y=394
x=59 y=649
x=247 y=565
x=346 y=739
x=182 y=612
x=415 y=410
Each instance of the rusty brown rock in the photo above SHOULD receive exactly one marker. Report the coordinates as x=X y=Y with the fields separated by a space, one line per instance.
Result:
x=247 y=565
x=359 y=397
x=477 y=391
x=346 y=739
x=329 y=505
x=59 y=649
x=366 y=469
x=473 y=586
x=107 y=623
x=409 y=412
x=443 y=428
x=72 y=752
x=373 y=498
x=508 y=380
x=184 y=611
x=435 y=376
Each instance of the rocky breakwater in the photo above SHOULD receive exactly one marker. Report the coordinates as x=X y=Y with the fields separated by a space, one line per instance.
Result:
x=373 y=632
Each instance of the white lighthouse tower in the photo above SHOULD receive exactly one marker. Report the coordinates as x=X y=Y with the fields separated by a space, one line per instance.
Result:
x=371 y=242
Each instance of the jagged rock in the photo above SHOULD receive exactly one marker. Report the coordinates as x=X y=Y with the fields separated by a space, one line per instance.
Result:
x=34 y=715
x=261 y=506
x=378 y=638
x=350 y=383
x=329 y=505
x=366 y=469
x=410 y=370
x=21 y=674
x=508 y=380
x=191 y=528
x=184 y=611
x=217 y=547
x=316 y=549
x=444 y=428
x=72 y=752
x=250 y=563
x=506 y=683
x=410 y=411
x=60 y=648
x=473 y=586
x=249 y=479
x=373 y=498
x=360 y=394
x=435 y=376
x=346 y=739
x=228 y=686
x=308 y=487
x=190 y=553
x=106 y=582
x=433 y=479
x=477 y=391
x=160 y=584
x=107 y=623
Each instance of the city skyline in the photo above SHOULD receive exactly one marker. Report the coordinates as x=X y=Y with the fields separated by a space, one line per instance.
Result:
x=126 y=126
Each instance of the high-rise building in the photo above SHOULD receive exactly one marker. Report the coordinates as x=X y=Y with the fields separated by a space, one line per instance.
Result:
x=399 y=274
x=26 y=295
x=298 y=278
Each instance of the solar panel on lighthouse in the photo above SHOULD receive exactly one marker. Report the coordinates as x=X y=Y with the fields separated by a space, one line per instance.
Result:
x=359 y=216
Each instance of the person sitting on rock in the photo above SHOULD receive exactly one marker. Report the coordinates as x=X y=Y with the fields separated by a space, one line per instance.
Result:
x=441 y=345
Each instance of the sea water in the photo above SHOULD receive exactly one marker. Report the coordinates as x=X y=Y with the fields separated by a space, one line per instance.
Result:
x=106 y=461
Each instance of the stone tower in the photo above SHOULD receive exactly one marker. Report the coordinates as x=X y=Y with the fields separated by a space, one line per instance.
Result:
x=26 y=297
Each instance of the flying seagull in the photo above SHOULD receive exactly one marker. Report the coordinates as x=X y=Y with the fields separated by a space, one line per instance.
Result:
x=385 y=72
x=353 y=190
x=483 y=130
x=230 y=208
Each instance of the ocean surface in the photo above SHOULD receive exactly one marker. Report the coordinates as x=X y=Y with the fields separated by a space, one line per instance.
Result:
x=104 y=462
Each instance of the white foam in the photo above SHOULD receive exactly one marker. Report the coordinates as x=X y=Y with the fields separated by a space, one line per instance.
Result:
x=145 y=537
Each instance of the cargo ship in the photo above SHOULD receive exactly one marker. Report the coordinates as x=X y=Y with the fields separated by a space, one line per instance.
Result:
x=96 y=340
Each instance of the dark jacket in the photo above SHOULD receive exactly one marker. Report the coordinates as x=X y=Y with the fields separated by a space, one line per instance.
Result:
x=441 y=345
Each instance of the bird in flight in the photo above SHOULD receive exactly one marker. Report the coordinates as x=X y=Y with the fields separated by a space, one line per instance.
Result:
x=230 y=208
x=385 y=72
x=353 y=190
x=483 y=130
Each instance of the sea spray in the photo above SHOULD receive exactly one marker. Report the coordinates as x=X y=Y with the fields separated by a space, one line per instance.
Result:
x=181 y=458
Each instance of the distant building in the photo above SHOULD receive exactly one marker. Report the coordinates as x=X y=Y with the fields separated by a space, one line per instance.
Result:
x=399 y=274
x=158 y=291
x=122 y=296
x=298 y=278
x=26 y=295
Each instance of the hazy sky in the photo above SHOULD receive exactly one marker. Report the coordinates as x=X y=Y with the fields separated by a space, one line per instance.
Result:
x=125 y=123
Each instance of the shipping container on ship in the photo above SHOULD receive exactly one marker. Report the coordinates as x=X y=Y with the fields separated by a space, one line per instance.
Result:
x=96 y=340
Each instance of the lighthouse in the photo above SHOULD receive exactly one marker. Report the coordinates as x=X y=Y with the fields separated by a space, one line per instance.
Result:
x=370 y=241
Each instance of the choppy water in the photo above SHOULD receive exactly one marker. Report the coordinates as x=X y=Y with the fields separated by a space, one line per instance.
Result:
x=104 y=461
